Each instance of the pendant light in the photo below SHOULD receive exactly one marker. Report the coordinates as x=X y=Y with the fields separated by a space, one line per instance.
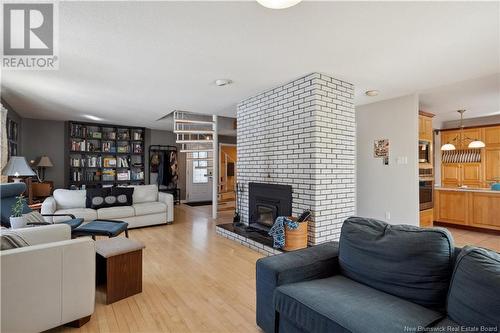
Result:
x=278 y=4
x=474 y=144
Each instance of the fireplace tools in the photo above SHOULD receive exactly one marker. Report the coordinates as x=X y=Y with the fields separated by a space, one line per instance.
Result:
x=236 y=217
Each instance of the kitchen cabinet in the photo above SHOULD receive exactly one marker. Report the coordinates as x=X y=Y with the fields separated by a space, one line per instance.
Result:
x=450 y=174
x=449 y=136
x=462 y=138
x=471 y=174
x=425 y=128
x=426 y=218
x=492 y=164
x=458 y=174
x=485 y=210
x=473 y=208
x=450 y=206
x=492 y=136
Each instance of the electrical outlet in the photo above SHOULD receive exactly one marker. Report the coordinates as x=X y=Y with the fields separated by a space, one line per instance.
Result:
x=387 y=216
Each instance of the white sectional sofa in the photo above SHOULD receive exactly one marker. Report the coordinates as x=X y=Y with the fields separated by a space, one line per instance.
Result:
x=149 y=207
x=49 y=283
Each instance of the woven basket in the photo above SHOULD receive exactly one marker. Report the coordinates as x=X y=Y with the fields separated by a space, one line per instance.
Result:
x=296 y=239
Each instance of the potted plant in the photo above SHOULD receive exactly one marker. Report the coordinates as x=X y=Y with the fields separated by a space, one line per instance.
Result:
x=16 y=219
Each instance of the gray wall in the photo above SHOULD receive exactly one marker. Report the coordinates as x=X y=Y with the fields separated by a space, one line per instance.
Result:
x=45 y=137
x=19 y=120
x=388 y=192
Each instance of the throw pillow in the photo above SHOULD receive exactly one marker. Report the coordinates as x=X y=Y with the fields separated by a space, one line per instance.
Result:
x=474 y=296
x=34 y=217
x=11 y=240
x=409 y=262
x=123 y=195
x=96 y=198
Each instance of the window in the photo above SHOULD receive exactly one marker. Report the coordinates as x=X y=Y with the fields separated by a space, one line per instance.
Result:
x=200 y=168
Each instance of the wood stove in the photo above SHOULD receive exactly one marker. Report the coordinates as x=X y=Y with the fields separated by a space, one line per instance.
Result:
x=266 y=202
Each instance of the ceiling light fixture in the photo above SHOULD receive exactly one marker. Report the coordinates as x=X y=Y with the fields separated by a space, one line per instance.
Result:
x=91 y=117
x=222 y=82
x=278 y=4
x=461 y=138
x=371 y=93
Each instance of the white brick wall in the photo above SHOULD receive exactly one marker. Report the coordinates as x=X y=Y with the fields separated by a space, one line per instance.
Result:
x=302 y=134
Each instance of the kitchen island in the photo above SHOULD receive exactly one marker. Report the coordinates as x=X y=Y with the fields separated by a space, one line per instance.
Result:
x=470 y=207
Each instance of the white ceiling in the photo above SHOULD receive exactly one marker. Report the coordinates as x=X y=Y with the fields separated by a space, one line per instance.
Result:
x=480 y=97
x=133 y=62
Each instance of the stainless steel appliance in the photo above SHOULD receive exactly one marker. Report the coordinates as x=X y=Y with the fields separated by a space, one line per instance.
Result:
x=426 y=193
x=424 y=152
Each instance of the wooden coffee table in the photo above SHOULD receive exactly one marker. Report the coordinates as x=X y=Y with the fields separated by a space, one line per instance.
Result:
x=119 y=266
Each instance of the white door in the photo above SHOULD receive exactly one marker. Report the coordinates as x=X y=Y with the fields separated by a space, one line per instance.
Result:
x=198 y=178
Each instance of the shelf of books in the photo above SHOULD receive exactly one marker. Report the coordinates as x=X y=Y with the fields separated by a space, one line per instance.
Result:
x=101 y=155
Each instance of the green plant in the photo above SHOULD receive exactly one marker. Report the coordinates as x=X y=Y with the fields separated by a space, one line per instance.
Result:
x=17 y=209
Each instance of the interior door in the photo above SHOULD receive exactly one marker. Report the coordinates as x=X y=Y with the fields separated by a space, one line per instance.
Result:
x=198 y=178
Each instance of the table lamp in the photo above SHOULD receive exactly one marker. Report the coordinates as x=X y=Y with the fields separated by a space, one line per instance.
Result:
x=17 y=167
x=43 y=163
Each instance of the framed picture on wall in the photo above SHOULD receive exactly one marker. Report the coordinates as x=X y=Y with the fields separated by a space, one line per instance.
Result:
x=381 y=148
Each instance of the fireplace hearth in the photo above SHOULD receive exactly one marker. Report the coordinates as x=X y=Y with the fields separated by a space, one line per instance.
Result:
x=266 y=202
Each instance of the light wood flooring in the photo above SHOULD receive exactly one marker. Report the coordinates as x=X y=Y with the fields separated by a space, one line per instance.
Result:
x=196 y=281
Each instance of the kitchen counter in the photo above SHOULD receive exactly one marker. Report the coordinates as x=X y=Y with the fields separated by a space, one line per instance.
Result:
x=466 y=189
x=471 y=207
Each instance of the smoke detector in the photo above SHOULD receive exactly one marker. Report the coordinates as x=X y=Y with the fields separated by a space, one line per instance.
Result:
x=222 y=82
x=371 y=93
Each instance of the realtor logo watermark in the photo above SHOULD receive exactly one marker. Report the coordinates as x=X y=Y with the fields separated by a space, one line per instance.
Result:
x=30 y=36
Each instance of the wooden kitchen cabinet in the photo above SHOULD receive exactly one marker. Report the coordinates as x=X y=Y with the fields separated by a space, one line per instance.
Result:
x=469 y=135
x=473 y=208
x=458 y=174
x=492 y=164
x=451 y=207
x=426 y=218
x=425 y=128
x=463 y=138
x=470 y=174
x=492 y=136
x=485 y=210
x=450 y=174
x=448 y=136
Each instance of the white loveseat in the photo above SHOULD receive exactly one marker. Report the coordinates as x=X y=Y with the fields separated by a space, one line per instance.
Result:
x=49 y=283
x=149 y=207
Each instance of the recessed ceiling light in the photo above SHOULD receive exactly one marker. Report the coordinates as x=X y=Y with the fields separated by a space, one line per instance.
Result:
x=222 y=82
x=278 y=4
x=91 y=117
x=371 y=93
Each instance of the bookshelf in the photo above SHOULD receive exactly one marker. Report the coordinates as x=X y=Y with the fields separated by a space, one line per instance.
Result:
x=103 y=155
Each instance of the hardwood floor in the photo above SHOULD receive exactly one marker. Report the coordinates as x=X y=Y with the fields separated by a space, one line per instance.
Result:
x=193 y=281
x=196 y=281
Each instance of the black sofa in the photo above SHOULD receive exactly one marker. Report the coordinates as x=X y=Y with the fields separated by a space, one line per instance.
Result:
x=380 y=278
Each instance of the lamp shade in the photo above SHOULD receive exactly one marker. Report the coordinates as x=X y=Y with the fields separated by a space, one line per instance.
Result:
x=45 y=162
x=17 y=166
x=448 y=146
x=477 y=144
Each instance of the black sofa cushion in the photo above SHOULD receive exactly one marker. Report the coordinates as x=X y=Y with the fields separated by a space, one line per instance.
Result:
x=123 y=195
x=95 y=197
x=405 y=261
x=338 y=304
x=474 y=296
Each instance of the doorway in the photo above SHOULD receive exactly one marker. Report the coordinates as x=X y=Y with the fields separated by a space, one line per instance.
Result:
x=198 y=177
x=227 y=177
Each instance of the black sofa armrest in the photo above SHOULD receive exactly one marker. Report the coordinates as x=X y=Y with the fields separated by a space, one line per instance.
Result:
x=315 y=262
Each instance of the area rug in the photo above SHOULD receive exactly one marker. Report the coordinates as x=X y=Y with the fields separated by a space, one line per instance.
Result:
x=199 y=203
